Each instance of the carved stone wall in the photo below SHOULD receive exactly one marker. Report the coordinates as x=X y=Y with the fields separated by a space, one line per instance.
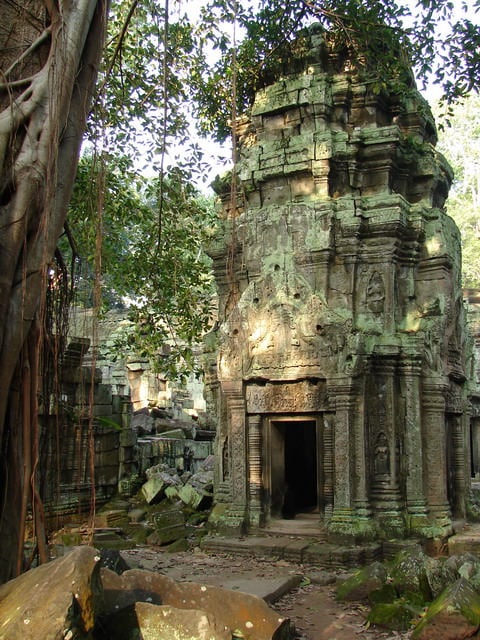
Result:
x=338 y=275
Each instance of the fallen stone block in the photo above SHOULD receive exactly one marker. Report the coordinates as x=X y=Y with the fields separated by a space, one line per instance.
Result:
x=409 y=573
x=231 y=609
x=192 y=497
x=55 y=600
x=154 y=489
x=454 y=615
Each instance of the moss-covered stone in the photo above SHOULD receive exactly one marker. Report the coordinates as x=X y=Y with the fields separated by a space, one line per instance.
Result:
x=217 y=515
x=179 y=545
x=385 y=594
x=409 y=575
x=362 y=583
x=397 y=615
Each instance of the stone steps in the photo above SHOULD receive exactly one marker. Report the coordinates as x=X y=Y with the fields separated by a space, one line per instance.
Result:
x=301 y=550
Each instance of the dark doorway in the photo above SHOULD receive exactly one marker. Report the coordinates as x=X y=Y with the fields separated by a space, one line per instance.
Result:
x=296 y=474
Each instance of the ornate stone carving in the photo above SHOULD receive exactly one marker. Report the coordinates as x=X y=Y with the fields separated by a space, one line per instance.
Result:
x=298 y=397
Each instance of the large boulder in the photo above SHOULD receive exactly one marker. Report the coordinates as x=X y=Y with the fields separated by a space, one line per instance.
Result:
x=55 y=600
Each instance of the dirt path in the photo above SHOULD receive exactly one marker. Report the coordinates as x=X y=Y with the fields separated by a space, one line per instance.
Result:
x=311 y=606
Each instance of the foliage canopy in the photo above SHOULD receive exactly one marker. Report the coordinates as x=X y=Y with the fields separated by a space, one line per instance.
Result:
x=170 y=69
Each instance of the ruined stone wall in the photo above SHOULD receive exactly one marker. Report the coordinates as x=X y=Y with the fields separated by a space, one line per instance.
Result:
x=338 y=274
x=119 y=409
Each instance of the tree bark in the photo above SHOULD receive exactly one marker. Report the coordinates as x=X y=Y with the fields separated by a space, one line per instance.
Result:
x=48 y=67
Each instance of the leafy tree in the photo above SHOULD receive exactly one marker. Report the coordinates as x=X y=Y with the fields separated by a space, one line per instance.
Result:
x=385 y=39
x=460 y=143
x=159 y=271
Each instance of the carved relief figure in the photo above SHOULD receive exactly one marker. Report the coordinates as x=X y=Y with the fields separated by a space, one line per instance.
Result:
x=375 y=293
x=381 y=459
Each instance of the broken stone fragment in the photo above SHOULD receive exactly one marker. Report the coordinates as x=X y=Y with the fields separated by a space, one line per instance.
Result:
x=396 y=616
x=229 y=609
x=169 y=526
x=154 y=489
x=193 y=497
x=454 y=615
x=55 y=600
x=169 y=622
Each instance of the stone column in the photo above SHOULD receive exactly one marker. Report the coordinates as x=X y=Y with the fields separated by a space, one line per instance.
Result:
x=361 y=499
x=410 y=370
x=459 y=437
x=344 y=520
x=328 y=464
x=384 y=445
x=255 y=482
x=435 y=453
x=236 y=416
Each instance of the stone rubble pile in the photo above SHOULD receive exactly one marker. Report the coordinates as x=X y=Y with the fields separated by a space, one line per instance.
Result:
x=437 y=598
x=75 y=598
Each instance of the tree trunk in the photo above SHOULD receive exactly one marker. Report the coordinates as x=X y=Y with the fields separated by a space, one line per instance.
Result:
x=48 y=64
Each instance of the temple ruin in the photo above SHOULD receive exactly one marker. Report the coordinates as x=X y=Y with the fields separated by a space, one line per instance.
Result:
x=339 y=365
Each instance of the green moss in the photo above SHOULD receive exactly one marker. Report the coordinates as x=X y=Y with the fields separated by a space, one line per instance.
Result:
x=397 y=616
x=179 y=545
x=359 y=585
x=71 y=539
x=354 y=529
x=384 y=595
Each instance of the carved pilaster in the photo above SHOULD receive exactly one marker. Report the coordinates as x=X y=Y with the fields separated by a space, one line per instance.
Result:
x=435 y=454
x=328 y=465
x=255 y=482
x=459 y=458
x=410 y=370
x=384 y=445
x=346 y=520
x=236 y=417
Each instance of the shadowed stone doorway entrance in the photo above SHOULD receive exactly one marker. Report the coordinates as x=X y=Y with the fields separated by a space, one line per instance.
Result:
x=293 y=466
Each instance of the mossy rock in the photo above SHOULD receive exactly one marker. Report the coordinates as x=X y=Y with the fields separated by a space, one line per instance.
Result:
x=409 y=574
x=386 y=594
x=138 y=533
x=440 y=573
x=197 y=518
x=217 y=515
x=362 y=583
x=396 y=616
x=181 y=544
x=455 y=614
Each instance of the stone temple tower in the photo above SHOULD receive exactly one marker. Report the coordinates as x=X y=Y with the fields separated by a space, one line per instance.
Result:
x=339 y=384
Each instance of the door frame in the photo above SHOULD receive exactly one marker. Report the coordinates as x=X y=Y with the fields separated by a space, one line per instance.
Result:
x=274 y=460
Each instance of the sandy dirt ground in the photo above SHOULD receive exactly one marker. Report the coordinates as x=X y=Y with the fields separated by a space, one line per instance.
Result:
x=311 y=606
